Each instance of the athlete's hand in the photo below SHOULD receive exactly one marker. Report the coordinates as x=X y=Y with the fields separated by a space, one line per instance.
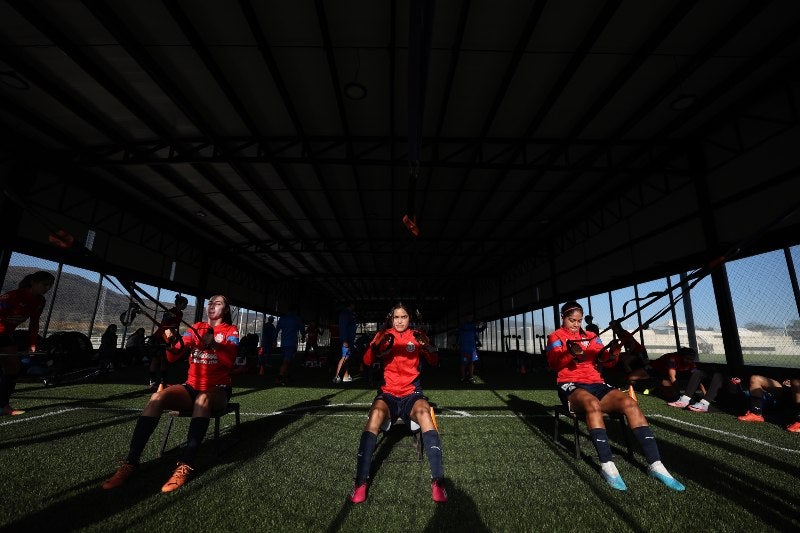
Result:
x=172 y=339
x=574 y=348
x=610 y=353
x=421 y=338
x=382 y=344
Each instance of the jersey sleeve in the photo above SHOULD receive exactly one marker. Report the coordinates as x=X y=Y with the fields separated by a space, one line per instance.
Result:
x=557 y=355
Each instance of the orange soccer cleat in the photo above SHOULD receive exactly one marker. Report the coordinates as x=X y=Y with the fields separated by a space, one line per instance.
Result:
x=120 y=476
x=179 y=478
x=751 y=417
x=794 y=427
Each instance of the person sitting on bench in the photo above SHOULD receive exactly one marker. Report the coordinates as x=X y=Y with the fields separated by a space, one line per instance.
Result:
x=573 y=353
x=212 y=348
x=400 y=349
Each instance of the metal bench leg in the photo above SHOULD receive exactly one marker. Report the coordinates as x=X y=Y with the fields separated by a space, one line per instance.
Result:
x=576 y=436
x=167 y=429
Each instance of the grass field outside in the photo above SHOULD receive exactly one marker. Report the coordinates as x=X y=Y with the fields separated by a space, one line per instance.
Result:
x=290 y=465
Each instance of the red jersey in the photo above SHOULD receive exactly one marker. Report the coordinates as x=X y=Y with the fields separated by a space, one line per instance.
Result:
x=16 y=307
x=401 y=364
x=672 y=360
x=569 y=370
x=208 y=366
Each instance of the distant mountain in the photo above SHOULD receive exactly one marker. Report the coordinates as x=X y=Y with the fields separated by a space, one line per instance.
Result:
x=74 y=303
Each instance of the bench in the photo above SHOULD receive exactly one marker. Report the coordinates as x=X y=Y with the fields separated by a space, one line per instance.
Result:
x=561 y=410
x=232 y=408
x=412 y=428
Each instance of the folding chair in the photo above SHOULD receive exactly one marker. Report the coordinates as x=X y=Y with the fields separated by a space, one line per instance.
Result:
x=232 y=407
x=560 y=410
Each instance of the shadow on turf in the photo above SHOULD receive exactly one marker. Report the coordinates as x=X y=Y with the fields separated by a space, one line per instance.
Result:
x=92 y=504
x=745 y=489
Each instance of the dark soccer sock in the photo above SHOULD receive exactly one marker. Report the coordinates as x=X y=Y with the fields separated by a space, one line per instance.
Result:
x=197 y=432
x=694 y=382
x=7 y=385
x=714 y=387
x=648 y=443
x=364 y=458
x=145 y=425
x=600 y=440
x=756 y=404
x=433 y=449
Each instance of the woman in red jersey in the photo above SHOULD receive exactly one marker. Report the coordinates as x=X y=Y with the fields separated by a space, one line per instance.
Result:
x=17 y=306
x=399 y=349
x=212 y=348
x=574 y=354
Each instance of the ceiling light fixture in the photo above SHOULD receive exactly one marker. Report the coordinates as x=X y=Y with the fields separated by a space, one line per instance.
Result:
x=683 y=101
x=355 y=91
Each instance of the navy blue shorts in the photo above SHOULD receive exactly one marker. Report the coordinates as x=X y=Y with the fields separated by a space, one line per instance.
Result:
x=401 y=406
x=194 y=392
x=598 y=390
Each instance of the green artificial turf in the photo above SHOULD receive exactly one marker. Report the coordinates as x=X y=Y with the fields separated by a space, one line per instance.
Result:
x=290 y=465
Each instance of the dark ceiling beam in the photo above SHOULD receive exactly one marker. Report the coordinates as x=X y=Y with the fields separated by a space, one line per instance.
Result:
x=511 y=69
x=130 y=44
x=128 y=41
x=77 y=106
x=455 y=53
x=337 y=91
x=13 y=138
x=264 y=48
x=254 y=182
x=392 y=53
x=727 y=115
x=664 y=29
x=63 y=96
x=646 y=149
x=77 y=54
x=193 y=150
x=567 y=74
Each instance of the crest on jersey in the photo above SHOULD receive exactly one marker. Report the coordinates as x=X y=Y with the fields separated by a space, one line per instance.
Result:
x=410 y=347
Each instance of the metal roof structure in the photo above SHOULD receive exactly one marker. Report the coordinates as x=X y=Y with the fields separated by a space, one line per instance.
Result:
x=285 y=150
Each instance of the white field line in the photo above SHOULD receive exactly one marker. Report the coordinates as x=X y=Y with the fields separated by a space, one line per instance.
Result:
x=726 y=433
x=299 y=411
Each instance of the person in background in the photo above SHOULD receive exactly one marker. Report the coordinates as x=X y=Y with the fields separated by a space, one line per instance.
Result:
x=400 y=350
x=107 y=353
x=16 y=306
x=667 y=368
x=347 y=332
x=635 y=355
x=212 y=347
x=696 y=379
x=134 y=347
x=290 y=326
x=312 y=337
x=575 y=354
x=468 y=333
x=268 y=341
x=591 y=326
x=764 y=390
